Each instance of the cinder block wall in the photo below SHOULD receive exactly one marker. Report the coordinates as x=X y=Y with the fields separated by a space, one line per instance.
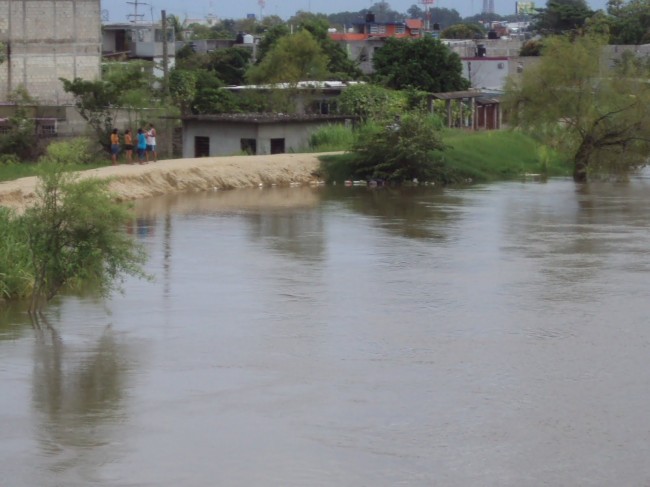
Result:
x=46 y=40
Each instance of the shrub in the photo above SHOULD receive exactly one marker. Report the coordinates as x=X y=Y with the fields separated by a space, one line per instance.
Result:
x=76 y=234
x=15 y=263
x=74 y=151
x=334 y=137
x=405 y=149
x=372 y=102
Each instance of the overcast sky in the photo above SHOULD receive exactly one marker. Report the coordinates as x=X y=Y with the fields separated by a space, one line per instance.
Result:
x=119 y=9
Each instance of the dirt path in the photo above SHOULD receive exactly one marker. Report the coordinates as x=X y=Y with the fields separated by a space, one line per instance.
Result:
x=130 y=182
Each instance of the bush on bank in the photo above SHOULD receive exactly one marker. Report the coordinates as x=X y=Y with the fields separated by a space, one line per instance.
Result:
x=74 y=154
x=465 y=156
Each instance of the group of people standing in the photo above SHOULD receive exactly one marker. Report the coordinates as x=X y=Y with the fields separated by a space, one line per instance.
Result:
x=144 y=144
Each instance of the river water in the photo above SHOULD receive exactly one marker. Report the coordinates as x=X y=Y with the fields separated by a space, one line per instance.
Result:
x=490 y=335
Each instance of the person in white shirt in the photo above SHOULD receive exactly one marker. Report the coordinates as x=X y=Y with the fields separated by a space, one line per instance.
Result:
x=151 y=143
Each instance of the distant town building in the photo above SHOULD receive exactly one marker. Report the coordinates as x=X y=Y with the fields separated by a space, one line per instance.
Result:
x=138 y=40
x=362 y=39
x=46 y=40
x=209 y=20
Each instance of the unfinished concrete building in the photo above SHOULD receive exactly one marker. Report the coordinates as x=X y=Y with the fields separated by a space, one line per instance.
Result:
x=45 y=40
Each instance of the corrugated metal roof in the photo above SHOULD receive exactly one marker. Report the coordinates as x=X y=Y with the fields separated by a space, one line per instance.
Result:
x=264 y=117
x=455 y=95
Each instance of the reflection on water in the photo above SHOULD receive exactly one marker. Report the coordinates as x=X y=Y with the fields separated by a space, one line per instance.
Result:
x=493 y=335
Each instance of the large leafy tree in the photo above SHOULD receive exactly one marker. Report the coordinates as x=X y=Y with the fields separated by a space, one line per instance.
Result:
x=271 y=36
x=229 y=64
x=339 y=64
x=293 y=58
x=629 y=22
x=596 y=113
x=561 y=16
x=425 y=64
x=126 y=86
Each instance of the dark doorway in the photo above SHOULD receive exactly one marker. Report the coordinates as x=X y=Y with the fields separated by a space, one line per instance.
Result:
x=277 y=146
x=201 y=146
x=249 y=146
x=120 y=41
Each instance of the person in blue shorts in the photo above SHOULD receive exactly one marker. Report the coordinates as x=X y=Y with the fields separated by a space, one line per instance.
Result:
x=115 y=146
x=142 y=146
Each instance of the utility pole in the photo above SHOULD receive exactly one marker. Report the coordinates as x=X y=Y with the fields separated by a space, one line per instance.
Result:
x=135 y=17
x=165 y=56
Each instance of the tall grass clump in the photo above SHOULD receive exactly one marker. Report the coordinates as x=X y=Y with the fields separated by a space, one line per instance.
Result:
x=76 y=151
x=334 y=137
x=16 y=277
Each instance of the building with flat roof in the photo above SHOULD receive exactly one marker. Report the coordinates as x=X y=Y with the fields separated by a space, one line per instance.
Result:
x=46 y=40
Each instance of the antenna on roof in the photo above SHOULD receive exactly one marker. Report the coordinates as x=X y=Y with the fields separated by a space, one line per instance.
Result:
x=135 y=16
x=427 y=13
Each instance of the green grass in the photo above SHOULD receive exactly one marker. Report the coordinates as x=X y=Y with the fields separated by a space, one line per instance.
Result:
x=335 y=137
x=485 y=156
x=9 y=172
x=501 y=155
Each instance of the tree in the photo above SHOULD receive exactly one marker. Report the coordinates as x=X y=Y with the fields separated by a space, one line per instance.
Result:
x=425 y=64
x=463 y=31
x=293 y=58
x=532 y=47
x=271 y=36
x=76 y=234
x=445 y=17
x=339 y=64
x=125 y=86
x=561 y=16
x=596 y=113
x=176 y=25
x=372 y=102
x=629 y=22
x=229 y=64
x=408 y=148
x=19 y=139
x=182 y=87
x=210 y=96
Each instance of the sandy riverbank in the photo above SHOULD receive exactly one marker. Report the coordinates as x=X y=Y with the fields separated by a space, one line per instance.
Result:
x=130 y=182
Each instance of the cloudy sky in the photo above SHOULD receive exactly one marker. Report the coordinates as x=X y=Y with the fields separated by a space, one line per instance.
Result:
x=119 y=9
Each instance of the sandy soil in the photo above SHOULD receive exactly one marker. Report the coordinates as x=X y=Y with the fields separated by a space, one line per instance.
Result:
x=130 y=182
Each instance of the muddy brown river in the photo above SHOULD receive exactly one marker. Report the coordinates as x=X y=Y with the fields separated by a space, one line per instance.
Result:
x=485 y=336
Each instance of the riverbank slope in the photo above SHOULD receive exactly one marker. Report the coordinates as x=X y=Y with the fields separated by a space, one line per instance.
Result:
x=130 y=182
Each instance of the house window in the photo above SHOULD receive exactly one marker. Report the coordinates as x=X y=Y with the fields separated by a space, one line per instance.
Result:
x=323 y=107
x=377 y=29
x=249 y=146
x=277 y=146
x=48 y=130
x=363 y=55
x=4 y=129
x=201 y=146
x=399 y=29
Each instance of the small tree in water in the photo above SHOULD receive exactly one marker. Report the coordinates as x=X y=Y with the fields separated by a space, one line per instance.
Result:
x=76 y=235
